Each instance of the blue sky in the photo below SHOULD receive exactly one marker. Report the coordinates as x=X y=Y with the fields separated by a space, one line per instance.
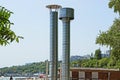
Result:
x=31 y=20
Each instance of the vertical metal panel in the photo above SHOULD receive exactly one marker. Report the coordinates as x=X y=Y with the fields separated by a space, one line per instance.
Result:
x=70 y=74
x=81 y=75
x=94 y=75
x=53 y=44
x=66 y=50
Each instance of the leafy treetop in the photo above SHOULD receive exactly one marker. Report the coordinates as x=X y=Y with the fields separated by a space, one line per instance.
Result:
x=115 y=4
x=6 y=34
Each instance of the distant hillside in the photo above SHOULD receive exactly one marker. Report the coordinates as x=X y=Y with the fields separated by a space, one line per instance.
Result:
x=76 y=61
x=28 y=69
x=24 y=70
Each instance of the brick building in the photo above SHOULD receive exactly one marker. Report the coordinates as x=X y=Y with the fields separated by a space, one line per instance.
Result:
x=93 y=74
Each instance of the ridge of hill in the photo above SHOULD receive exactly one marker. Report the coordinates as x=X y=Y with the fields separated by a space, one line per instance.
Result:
x=24 y=70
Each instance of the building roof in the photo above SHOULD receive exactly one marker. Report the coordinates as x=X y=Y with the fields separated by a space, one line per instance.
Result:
x=91 y=69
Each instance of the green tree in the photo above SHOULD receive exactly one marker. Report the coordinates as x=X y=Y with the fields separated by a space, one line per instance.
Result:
x=115 y=4
x=6 y=34
x=97 y=54
x=103 y=62
x=111 y=38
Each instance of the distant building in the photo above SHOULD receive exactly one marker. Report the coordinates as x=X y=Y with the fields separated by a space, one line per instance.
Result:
x=106 y=54
x=87 y=56
x=74 y=58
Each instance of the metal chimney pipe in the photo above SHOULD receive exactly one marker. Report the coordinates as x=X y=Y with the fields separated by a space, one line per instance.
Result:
x=66 y=14
x=53 y=41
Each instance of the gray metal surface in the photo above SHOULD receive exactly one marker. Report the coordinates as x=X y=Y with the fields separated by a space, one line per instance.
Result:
x=53 y=41
x=53 y=44
x=66 y=14
x=66 y=51
x=54 y=6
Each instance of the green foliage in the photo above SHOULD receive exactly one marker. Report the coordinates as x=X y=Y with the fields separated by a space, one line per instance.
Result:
x=98 y=54
x=115 y=4
x=111 y=63
x=85 y=63
x=90 y=63
x=6 y=34
x=75 y=63
x=115 y=54
x=102 y=63
x=111 y=38
x=118 y=65
x=30 y=68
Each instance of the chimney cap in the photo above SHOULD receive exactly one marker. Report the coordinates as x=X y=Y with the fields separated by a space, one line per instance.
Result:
x=66 y=13
x=53 y=6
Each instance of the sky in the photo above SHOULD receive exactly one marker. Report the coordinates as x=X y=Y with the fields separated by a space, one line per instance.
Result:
x=31 y=20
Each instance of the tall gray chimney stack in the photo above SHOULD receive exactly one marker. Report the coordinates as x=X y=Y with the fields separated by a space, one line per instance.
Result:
x=66 y=14
x=53 y=41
